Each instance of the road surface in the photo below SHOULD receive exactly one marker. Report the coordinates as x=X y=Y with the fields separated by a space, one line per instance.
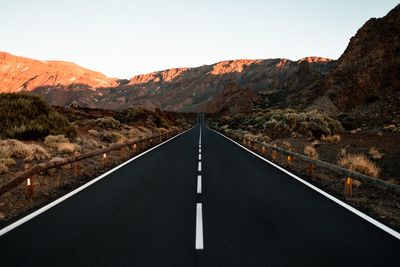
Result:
x=198 y=203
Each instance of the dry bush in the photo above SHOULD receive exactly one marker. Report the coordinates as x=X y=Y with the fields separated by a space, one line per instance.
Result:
x=91 y=143
x=113 y=137
x=4 y=151
x=355 y=131
x=311 y=152
x=17 y=149
x=66 y=148
x=3 y=168
x=7 y=161
x=93 y=133
x=390 y=128
x=331 y=138
x=38 y=153
x=107 y=123
x=54 y=140
x=359 y=163
x=374 y=153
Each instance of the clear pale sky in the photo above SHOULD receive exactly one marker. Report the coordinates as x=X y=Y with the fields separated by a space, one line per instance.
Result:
x=122 y=38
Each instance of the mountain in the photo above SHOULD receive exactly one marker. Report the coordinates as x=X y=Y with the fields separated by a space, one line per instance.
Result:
x=271 y=81
x=23 y=74
x=366 y=78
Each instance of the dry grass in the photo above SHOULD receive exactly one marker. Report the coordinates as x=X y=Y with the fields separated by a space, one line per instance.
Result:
x=16 y=149
x=374 y=153
x=311 y=152
x=93 y=133
x=3 y=168
x=54 y=140
x=331 y=138
x=7 y=161
x=359 y=163
x=91 y=143
x=113 y=137
x=355 y=131
x=66 y=148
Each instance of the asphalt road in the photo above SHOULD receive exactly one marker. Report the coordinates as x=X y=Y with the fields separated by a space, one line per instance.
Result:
x=147 y=214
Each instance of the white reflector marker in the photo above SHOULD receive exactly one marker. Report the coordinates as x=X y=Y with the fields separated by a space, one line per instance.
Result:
x=199 y=227
x=198 y=184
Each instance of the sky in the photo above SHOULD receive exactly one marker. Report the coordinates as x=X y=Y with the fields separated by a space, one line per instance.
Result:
x=123 y=38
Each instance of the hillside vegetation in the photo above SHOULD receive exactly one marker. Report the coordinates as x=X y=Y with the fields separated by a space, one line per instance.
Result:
x=28 y=117
x=279 y=123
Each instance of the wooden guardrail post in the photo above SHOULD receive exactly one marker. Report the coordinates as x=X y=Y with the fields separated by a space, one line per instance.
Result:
x=274 y=154
x=310 y=169
x=77 y=165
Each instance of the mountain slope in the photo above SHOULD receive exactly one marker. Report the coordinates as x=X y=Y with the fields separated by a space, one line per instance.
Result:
x=24 y=74
x=366 y=79
x=194 y=89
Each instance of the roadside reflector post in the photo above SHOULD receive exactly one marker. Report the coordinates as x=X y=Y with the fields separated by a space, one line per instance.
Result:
x=29 y=188
x=310 y=169
x=289 y=160
x=104 y=159
x=348 y=187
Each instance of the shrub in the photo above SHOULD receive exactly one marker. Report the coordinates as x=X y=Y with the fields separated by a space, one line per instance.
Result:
x=31 y=118
x=66 y=148
x=113 y=137
x=54 y=140
x=359 y=163
x=374 y=153
x=331 y=138
x=93 y=133
x=28 y=152
x=284 y=123
x=311 y=152
x=107 y=123
x=3 y=168
x=7 y=161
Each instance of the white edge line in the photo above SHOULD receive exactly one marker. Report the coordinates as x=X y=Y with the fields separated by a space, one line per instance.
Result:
x=70 y=194
x=378 y=224
x=198 y=184
x=199 y=227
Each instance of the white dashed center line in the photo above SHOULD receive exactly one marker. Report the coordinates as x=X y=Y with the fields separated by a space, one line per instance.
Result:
x=199 y=167
x=199 y=156
x=199 y=227
x=198 y=184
